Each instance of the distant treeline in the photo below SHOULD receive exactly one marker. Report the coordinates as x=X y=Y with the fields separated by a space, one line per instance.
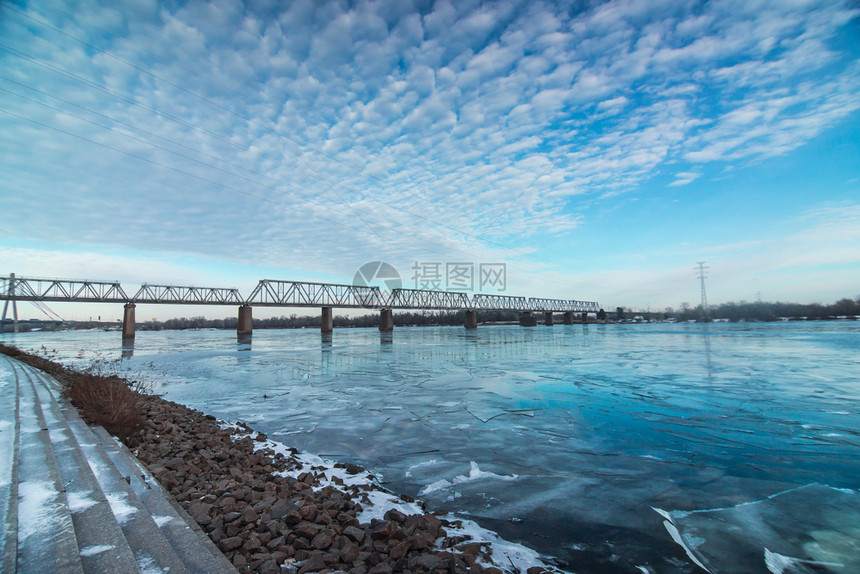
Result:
x=297 y=322
x=740 y=311
x=754 y=311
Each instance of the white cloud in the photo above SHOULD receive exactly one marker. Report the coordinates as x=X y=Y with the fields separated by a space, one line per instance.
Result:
x=685 y=177
x=380 y=130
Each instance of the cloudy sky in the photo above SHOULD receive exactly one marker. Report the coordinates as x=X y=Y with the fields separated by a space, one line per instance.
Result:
x=598 y=149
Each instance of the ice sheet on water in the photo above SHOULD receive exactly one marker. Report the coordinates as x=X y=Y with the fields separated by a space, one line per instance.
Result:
x=475 y=473
x=422 y=464
x=779 y=564
x=692 y=416
x=790 y=532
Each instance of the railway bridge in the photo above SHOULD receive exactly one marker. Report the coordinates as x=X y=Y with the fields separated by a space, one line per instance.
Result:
x=280 y=293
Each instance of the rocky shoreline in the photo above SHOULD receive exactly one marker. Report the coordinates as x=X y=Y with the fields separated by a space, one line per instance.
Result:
x=271 y=509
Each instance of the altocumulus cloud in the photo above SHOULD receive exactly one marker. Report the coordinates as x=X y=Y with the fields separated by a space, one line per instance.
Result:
x=326 y=134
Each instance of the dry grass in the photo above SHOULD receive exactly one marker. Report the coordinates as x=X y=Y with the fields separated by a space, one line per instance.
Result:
x=100 y=394
x=109 y=401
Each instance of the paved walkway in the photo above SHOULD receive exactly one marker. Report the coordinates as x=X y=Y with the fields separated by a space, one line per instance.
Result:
x=73 y=500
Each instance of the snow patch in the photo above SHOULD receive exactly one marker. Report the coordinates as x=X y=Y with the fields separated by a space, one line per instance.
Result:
x=122 y=510
x=161 y=520
x=504 y=553
x=80 y=501
x=37 y=508
x=7 y=451
x=379 y=502
x=93 y=550
x=148 y=565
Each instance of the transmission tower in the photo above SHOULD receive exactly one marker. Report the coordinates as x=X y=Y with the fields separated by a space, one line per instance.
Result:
x=701 y=271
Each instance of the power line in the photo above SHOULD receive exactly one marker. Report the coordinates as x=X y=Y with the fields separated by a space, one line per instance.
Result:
x=159 y=164
x=133 y=101
x=252 y=121
x=183 y=156
x=180 y=171
x=284 y=137
x=130 y=99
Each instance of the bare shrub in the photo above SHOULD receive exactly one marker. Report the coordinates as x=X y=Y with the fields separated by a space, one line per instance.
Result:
x=105 y=398
x=108 y=401
x=105 y=393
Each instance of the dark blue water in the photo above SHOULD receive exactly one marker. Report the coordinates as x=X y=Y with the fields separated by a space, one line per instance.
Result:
x=565 y=438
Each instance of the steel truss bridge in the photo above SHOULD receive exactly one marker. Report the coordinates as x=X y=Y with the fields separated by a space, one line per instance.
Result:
x=276 y=293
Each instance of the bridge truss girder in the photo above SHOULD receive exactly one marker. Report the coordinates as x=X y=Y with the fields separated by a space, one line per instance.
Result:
x=563 y=305
x=485 y=302
x=276 y=293
x=189 y=295
x=426 y=299
x=39 y=289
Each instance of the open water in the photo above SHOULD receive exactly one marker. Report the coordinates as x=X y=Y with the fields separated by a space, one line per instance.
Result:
x=614 y=448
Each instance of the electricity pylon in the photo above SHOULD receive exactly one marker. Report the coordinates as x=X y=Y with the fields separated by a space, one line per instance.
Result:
x=701 y=270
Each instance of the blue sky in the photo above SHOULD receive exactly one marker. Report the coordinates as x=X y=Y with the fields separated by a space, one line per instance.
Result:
x=598 y=149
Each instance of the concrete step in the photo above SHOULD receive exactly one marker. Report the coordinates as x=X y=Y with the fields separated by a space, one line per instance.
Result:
x=102 y=543
x=77 y=501
x=8 y=466
x=181 y=544
x=199 y=554
x=45 y=530
x=149 y=549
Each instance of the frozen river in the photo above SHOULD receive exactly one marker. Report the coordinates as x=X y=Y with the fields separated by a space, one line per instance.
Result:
x=589 y=443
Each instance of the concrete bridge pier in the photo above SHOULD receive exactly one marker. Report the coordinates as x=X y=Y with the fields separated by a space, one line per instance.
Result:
x=527 y=319
x=567 y=318
x=386 y=320
x=327 y=325
x=548 y=319
x=471 y=320
x=128 y=321
x=585 y=317
x=245 y=325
